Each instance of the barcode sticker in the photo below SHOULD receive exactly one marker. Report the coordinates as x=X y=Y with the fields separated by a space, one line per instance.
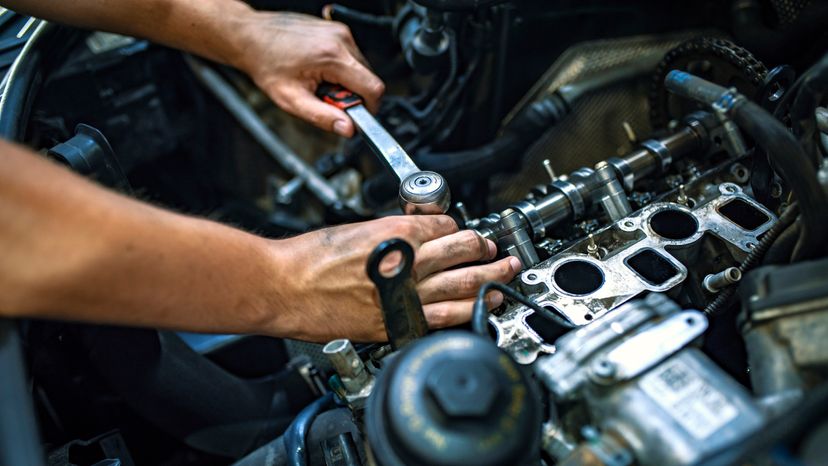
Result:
x=693 y=403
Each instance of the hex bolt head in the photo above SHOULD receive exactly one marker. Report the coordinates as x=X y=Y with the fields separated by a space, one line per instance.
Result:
x=463 y=388
x=603 y=369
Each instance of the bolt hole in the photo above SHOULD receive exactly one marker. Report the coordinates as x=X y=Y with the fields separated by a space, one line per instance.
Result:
x=532 y=276
x=589 y=317
x=691 y=321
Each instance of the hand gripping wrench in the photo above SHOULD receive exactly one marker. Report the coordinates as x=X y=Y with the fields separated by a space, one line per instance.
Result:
x=399 y=301
x=421 y=192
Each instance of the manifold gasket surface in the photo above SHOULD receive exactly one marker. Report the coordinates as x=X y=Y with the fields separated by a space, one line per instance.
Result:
x=620 y=282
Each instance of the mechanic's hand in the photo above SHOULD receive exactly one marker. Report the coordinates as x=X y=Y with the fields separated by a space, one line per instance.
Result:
x=331 y=296
x=289 y=54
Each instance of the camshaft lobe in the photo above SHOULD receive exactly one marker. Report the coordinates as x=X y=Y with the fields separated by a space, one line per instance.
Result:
x=570 y=196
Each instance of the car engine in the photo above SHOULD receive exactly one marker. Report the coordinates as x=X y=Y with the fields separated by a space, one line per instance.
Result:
x=657 y=167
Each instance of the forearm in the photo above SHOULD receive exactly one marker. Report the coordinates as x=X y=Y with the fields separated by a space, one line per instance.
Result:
x=214 y=29
x=75 y=251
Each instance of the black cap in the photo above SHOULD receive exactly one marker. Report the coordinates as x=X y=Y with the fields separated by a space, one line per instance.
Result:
x=453 y=398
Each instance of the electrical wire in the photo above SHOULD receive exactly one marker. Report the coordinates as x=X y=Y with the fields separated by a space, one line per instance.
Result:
x=296 y=432
x=480 y=312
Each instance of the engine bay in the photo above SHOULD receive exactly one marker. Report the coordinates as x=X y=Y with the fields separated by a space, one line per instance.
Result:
x=657 y=167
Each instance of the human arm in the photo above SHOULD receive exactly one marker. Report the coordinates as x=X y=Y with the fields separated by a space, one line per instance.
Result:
x=73 y=250
x=286 y=54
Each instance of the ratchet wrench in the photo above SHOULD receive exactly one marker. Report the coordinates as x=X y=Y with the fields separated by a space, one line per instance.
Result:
x=421 y=192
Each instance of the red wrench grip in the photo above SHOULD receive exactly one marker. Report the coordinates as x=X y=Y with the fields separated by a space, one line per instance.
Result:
x=338 y=96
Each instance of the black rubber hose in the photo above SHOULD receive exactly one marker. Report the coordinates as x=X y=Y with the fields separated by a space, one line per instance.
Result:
x=457 y=5
x=524 y=129
x=480 y=313
x=297 y=431
x=753 y=259
x=795 y=168
x=791 y=162
x=781 y=251
x=813 y=86
x=347 y=15
x=502 y=153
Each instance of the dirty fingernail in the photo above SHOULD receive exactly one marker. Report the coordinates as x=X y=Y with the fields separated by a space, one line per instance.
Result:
x=340 y=127
x=496 y=299
x=515 y=264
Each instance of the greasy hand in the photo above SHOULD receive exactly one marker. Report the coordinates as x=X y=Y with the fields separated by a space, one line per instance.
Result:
x=289 y=54
x=333 y=297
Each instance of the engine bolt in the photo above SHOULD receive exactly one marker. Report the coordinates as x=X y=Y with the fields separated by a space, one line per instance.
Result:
x=592 y=247
x=603 y=370
x=682 y=196
x=630 y=133
x=549 y=170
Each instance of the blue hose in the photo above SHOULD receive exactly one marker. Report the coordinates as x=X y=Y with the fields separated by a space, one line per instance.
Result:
x=298 y=429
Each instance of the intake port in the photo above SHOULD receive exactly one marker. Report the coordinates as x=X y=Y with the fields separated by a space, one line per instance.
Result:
x=654 y=268
x=545 y=326
x=579 y=277
x=743 y=214
x=674 y=224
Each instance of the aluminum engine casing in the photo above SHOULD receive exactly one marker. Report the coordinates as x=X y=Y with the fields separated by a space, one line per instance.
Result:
x=650 y=395
x=669 y=242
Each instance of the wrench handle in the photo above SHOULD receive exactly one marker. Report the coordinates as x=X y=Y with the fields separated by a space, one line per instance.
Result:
x=338 y=96
x=402 y=311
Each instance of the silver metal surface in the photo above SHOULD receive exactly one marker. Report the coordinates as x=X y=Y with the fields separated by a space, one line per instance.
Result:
x=424 y=193
x=566 y=372
x=382 y=143
x=678 y=413
x=421 y=192
x=660 y=151
x=257 y=128
x=619 y=282
x=531 y=213
x=635 y=355
x=732 y=135
x=787 y=347
x=716 y=281
x=624 y=171
x=358 y=382
x=573 y=195
x=610 y=193
x=515 y=240
x=644 y=388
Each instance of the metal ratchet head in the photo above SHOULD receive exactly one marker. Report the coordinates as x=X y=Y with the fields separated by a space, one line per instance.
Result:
x=424 y=193
x=399 y=301
x=421 y=192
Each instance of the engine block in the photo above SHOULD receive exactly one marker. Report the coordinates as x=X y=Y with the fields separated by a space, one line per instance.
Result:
x=654 y=250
